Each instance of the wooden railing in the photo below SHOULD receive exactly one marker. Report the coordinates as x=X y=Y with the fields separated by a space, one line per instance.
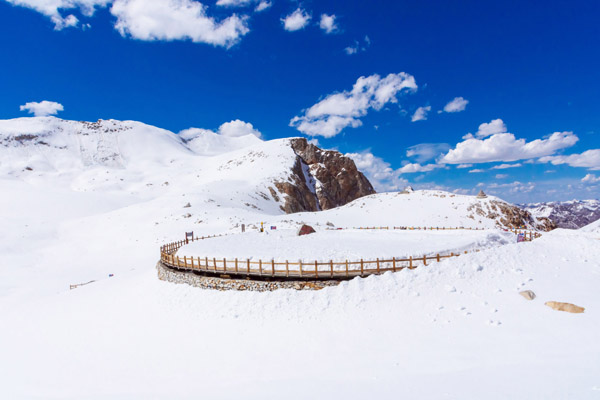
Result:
x=298 y=270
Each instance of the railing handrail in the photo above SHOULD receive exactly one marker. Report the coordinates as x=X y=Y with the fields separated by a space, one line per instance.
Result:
x=311 y=270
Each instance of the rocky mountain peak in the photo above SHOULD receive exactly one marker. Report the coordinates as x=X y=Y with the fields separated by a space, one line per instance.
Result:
x=321 y=179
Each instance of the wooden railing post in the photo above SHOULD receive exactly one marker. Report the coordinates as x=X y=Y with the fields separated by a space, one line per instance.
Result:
x=438 y=257
x=425 y=260
x=273 y=267
x=260 y=267
x=224 y=265
x=287 y=268
x=410 y=266
x=378 y=266
x=394 y=264
x=300 y=264
x=248 y=266
x=331 y=267
x=346 y=268
x=316 y=269
x=361 y=267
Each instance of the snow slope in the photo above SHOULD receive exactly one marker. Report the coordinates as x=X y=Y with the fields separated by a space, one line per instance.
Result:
x=594 y=227
x=455 y=329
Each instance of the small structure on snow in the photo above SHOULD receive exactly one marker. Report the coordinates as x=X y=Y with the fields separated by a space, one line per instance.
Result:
x=306 y=230
x=407 y=190
x=481 y=195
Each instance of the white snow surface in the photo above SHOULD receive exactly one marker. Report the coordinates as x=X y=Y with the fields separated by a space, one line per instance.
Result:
x=94 y=206
x=594 y=227
x=340 y=245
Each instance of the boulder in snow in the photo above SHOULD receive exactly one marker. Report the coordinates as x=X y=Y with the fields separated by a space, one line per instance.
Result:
x=568 y=307
x=528 y=294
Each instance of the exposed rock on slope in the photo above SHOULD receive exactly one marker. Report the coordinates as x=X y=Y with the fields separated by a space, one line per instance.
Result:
x=322 y=179
x=509 y=216
x=567 y=214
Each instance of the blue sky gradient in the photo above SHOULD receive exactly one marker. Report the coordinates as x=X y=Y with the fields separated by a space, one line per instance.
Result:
x=535 y=65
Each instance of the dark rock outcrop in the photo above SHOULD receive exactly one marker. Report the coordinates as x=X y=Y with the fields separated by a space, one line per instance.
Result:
x=510 y=216
x=322 y=179
x=306 y=230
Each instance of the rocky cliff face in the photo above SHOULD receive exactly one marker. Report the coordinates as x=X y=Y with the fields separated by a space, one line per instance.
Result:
x=320 y=180
x=510 y=216
x=567 y=214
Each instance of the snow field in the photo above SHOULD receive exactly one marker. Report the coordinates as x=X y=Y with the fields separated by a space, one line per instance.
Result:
x=339 y=245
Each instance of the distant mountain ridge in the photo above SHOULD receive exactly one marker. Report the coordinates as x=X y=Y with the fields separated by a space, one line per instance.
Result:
x=572 y=214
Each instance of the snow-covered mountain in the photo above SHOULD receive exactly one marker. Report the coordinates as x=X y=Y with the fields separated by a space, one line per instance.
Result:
x=131 y=157
x=572 y=214
x=250 y=177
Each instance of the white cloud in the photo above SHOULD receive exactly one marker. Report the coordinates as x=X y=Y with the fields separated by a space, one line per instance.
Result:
x=464 y=165
x=457 y=104
x=152 y=19
x=421 y=114
x=505 y=147
x=50 y=8
x=234 y=3
x=380 y=174
x=501 y=176
x=491 y=128
x=234 y=128
x=176 y=20
x=337 y=111
x=357 y=46
x=588 y=159
x=505 y=166
x=590 y=178
x=427 y=151
x=412 y=168
x=43 y=108
x=514 y=187
x=263 y=5
x=328 y=23
x=476 y=171
x=237 y=128
x=296 y=20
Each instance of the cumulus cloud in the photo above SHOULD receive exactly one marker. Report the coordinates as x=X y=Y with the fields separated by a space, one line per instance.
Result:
x=421 y=114
x=427 y=151
x=416 y=167
x=263 y=5
x=43 y=108
x=337 y=111
x=234 y=3
x=151 y=19
x=505 y=166
x=491 y=128
x=52 y=9
x=514 y=187
x=457 y=104
x=358 y=46
x=234 y=128
x=176 y=20
x=590 y=178
x=237 y=128
x=328 y=23
x=504 y=147
x=379 y=172
x=501 y=176
x=476 y=171
x=464 y=165
x=296 y=20
x=588 y=159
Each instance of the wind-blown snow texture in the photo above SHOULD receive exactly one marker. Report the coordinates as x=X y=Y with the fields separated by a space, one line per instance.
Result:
x=90 y=206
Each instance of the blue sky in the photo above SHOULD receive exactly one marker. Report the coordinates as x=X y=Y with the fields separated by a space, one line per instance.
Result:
x=527 y=69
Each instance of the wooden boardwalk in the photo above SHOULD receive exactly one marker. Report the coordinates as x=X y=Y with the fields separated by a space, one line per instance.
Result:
x=316 y=270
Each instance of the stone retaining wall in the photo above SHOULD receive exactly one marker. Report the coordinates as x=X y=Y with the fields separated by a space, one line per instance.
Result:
x=208 y=282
